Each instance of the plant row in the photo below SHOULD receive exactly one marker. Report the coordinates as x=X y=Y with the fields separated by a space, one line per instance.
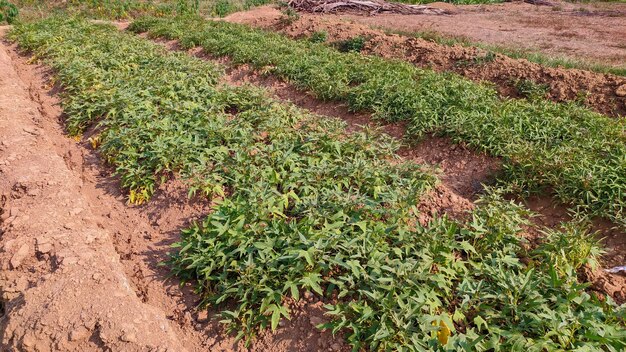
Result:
x=125 y=9
x=564 y=148
x=300 y=204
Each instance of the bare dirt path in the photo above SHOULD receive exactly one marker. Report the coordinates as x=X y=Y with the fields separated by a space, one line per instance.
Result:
x=602 y=92
x=62 y=282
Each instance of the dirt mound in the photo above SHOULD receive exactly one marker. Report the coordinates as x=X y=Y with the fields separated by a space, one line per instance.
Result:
x=370 y=7
x=601 y=92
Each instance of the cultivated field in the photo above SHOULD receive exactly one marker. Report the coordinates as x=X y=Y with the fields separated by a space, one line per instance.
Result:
x=281 y=180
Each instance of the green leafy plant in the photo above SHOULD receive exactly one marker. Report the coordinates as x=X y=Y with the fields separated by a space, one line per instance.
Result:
x=531 y=90
x=188 y=7
x=8 y=12
x=289 y=15
x=355 y=44
x=318 y=37
x=222 y=8
x=488 y=57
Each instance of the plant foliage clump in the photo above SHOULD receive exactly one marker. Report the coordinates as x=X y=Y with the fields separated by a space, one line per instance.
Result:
x=578 y=154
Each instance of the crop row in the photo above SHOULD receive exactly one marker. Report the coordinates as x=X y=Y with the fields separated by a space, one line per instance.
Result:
x=301 y=205
x=125 y=9
x=576 y=153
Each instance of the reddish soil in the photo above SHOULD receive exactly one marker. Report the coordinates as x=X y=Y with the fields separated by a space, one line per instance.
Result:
x=612 y=238
x=602 y=92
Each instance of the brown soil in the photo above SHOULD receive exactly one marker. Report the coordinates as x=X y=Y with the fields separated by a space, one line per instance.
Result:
x=612 y=238
x=598 y=91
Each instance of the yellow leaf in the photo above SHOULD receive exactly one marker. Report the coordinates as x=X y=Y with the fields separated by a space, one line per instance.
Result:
x=95 y=141
x=444 y=333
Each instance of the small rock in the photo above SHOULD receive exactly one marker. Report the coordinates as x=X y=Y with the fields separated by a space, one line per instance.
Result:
x=29 y=340
x=34 y=192
x=76 y=211
x=315 y=321
x=17 y=258
x=621 y=91
x=335 y=346
x=97 y=277
x=21 y=284
x=69 y=260
x=43 y=245
x=44 y=248
x=129 y=337
x=78 y=334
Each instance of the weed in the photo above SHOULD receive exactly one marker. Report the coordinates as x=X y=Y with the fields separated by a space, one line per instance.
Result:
x=355 y=44
x=187 y=7
x=531 y=90
x=318 y=37
x=223 y=8
x=289 y=16
x=8 y=12
x=478 y=60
